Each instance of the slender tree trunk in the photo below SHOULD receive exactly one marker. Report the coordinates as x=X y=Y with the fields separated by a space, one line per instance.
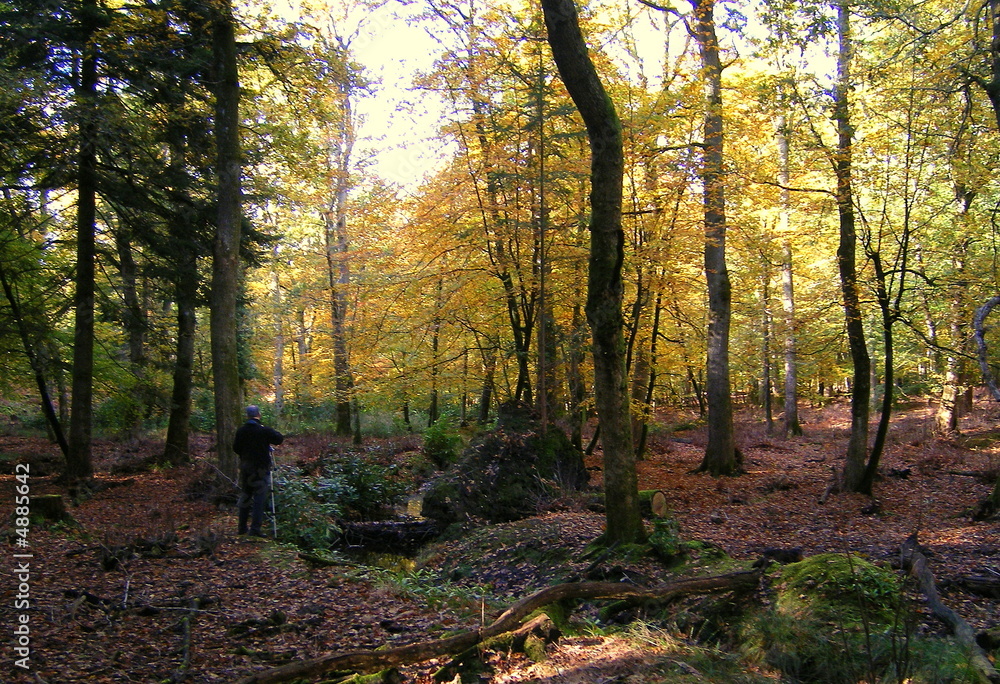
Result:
x=496 y=224
x=338 y=258
x=304 y=383
x=857 y=448
x=278 y=374
x=489 y=355
x=134 y=320
x=792 y=426
x=721 y=455
x=574 y=379
x=637 y=395
x=888 y=318
x=48 y=410
x=947 y=415
x=546 y=361
x=640 y=447
x=767 y=332
x=604 y=284
x=993 y=91
x=992 y=87
x=433 y=410
x=176 y=450
x=78 y=461
x=226 y=269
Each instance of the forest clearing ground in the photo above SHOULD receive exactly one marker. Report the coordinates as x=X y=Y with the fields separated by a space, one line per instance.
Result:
x=260 y=605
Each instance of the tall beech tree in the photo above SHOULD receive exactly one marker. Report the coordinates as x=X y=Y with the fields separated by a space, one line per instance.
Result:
x=604 y=280
x=790 y=425
x=339 y=159
x=721 y=454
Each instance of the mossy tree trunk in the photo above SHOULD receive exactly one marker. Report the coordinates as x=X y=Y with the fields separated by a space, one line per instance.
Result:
x=604 y=284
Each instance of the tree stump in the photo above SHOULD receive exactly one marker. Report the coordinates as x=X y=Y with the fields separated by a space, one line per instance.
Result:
x=50 y=507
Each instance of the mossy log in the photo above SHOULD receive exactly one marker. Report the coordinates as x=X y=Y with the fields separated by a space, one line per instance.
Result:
x=915 y=563
x=510 y=620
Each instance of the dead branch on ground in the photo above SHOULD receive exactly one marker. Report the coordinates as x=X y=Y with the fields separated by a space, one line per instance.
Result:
x=915 y=563
x=374 y=661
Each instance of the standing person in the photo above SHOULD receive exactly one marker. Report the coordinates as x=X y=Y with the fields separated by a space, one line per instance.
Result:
x=252 y=443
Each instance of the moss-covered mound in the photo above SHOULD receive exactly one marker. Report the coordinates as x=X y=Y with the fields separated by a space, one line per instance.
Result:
x=840 y=619
x=843 y=589
x=507 y=474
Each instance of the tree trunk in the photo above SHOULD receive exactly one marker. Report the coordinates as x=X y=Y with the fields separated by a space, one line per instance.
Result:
x=604 y=284
x=888 y=319
x=48 y=410
x=225 y=248
x=574 y=376
x=640 y=447
x=857 y=448
x=134 y=322
x=434 y=410
x=721 y=455
x=278 y=373
x=489 y=355
x=791 y=425
x=304 y=384
x=519 y=301
x=992 y=87
x=78 y=461
x=338 y=259
x=176 y=448
x=992 y=503
x=767 y=328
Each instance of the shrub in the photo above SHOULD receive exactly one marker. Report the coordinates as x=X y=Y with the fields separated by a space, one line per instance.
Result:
x=442 y=442
x=120 y=413
x=364 y=489
x=306 y=509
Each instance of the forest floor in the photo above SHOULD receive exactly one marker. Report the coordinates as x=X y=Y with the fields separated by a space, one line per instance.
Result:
x=100 y=614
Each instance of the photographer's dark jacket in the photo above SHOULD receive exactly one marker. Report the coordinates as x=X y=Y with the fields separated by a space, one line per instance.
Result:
x=252 y=443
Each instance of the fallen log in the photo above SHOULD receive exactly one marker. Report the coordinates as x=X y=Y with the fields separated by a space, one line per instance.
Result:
x=915 y=564
x=981 y=586
x=511 y=619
